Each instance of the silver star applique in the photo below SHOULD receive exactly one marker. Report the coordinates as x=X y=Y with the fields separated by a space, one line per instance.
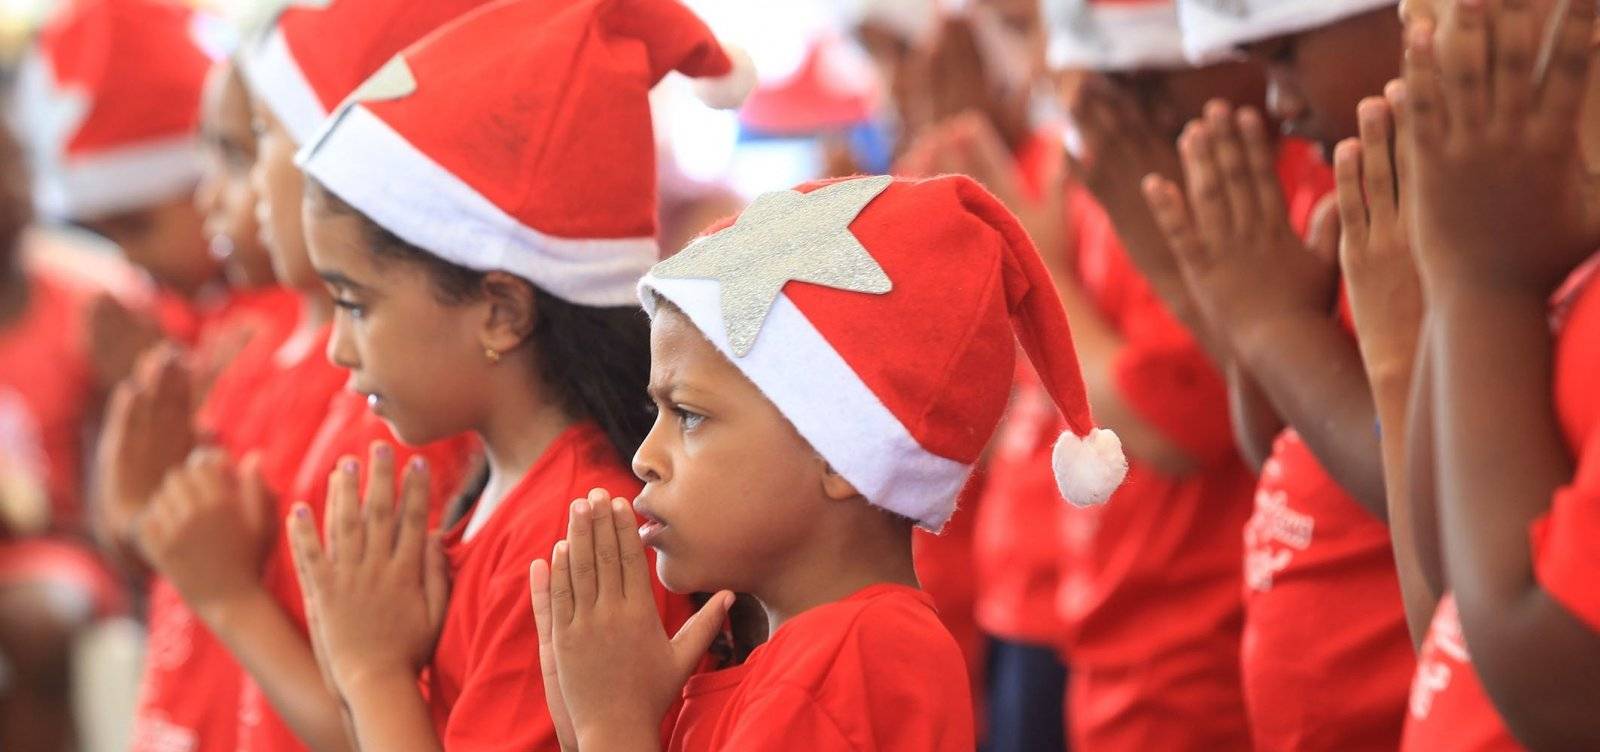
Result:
x=784 y=236
x=393 y=81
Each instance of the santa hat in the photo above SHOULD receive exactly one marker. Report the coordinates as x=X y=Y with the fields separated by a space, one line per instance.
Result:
x=108 y=104
x=832 y=89
x=519 y=139
x=1217 y=28
x=1113 y=35
x=318 y=51
x=881 y=317
x=911 y=20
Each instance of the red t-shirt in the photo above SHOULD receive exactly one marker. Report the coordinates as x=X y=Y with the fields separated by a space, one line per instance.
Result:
x=1449 y=707
x=944 y=569
x=267 y=317
x=289 y=396
x=875 y=671
x=349 y=429
x=1149 y=581
x=46 y=391
x=485 y=689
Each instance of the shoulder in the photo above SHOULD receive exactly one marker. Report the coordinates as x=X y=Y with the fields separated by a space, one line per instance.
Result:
x=886 y=628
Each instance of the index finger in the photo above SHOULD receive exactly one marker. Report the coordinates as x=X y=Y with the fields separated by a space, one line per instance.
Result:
x=630 y=551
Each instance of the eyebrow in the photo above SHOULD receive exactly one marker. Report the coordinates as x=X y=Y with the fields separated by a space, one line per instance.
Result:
x=338 y=279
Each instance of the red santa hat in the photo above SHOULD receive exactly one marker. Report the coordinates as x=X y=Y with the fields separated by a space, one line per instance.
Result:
x=832 y=89
x=318 y=51
x=881 y=317
x=108 y=103
x=519 y=139
x=1113 y=35
x=1216 y=28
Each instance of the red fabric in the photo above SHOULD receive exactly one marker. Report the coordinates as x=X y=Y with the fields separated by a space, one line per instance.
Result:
x=138 y=62
x=269 y=316
x=485 y=688
x=944 y=568
x=1449 y=707
x=46 y=396
x=705 y=698
x=370 y=34
x=63 y=560
x=875 y=671
x=1149 y=582
x=1017 y=549
x=349 y=429
x=276 y=417
x=575 y=76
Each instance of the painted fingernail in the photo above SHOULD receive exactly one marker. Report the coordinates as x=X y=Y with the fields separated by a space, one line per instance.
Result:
x=302 y=511
x=384 y=452
x=349 y=465
x=418 y=463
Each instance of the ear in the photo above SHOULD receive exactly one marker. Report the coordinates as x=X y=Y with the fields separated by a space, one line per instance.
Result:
x=834 y=485
x=512 y=313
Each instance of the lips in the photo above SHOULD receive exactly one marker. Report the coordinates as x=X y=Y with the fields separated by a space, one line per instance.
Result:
x=650 y=532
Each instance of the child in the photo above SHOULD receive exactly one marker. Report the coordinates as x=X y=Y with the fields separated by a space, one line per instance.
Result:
x=209 y=529
x=1318 y=553
x=483 y=263
x=802 y=489
x=1506 y=227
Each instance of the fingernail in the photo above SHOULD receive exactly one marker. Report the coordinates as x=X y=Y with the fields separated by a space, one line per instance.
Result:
x=561 y=548
x=302 y=511
x=349 y=465
x=580 y=507
x=616 y=505
x=385 y=452
x=417 y=463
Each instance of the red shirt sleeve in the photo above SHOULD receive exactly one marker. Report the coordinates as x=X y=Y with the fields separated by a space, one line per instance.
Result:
x=1565 y=557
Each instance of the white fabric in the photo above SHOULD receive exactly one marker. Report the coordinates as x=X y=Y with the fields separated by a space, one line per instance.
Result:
x=126 y=179
x=1113 y=36
x=812 y=385
x=1215 y=28
x=276 y=79
x=374 y=169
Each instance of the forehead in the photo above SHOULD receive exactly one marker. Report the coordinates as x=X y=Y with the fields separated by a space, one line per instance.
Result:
x=679 y=353
x=335 y=240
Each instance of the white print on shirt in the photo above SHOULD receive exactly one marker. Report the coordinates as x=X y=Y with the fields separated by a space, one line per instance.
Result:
x=171 y=637
x=1445 y=649
x=1274 y=533
x=156 y=734
x=250 y=701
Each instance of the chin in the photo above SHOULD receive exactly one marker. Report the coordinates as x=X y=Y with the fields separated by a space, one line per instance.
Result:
x=677 y=578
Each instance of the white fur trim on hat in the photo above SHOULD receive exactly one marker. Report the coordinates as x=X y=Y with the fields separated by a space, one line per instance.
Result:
x=1089 y=468
x=728 y=91
x=1113 y=36
x=1217 y=28
x=121 y=180
x=367 y=164
x=275 y=78
x=832 y=408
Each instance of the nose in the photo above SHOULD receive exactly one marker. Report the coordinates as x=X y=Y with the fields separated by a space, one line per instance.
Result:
x=648 y=465
x=1284 y=99
x=341 y=346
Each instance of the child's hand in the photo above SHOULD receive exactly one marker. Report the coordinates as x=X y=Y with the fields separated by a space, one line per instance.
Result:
x=1120 y=147
x=208 y=530
x=973 y=147
x=148 y=431
x=377 y=593
x=1503 y=198
x=616 y=671
x=1243 y=262
x=117 y=337
x=1374 y=247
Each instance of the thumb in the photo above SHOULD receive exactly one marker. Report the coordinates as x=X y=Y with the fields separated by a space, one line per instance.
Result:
x=436 y=580
x=1323 y=236
x=694 y=639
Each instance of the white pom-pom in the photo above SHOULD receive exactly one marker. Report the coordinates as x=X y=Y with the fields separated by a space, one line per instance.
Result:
x=1089 y=468
x=728 y=91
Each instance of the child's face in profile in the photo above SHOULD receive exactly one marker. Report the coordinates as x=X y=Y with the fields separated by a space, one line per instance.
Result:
x=416 y=358
x=1316 y=78
x=730 y=485
x=279 y=188
x=167 y=240
x=225 y=196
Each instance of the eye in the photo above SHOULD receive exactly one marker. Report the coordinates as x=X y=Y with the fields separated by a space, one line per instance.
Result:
x=356 y=310
x=688 y=419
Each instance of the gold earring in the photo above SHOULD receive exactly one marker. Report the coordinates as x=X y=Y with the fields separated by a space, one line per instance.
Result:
x=492 y=354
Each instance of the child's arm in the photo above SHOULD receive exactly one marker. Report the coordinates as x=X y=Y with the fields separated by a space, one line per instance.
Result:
x=147 y=432
x=207 y=531
x=1386 y=300
x=1505 y=212
x=377 y=595
x=1261 y=286
x=616 y=671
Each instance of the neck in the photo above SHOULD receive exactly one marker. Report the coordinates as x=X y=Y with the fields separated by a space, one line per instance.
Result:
x=864 y=547
x=519 y=428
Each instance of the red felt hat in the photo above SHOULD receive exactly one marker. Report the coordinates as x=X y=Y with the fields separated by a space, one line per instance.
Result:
x=1113 y=35
x=881 y=317
x=108 y=102
x=519 y=139
x=833 y=88
x=318 y=51
x=1217 y=28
